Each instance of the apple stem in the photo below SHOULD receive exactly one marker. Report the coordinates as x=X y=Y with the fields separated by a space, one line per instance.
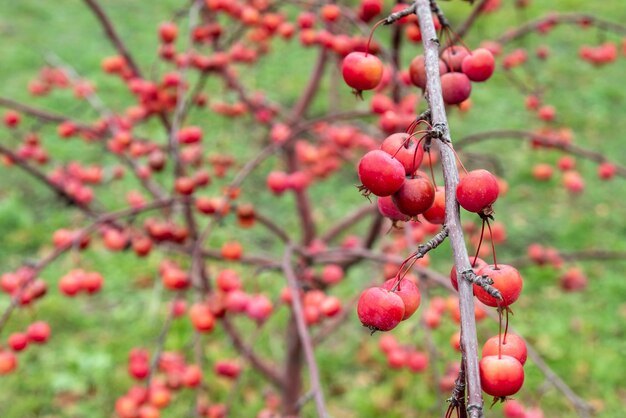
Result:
x=499 y=333
x=369 y=39
x=480 y=242
x=457 y=157
x=506 y=326
x=493 y=246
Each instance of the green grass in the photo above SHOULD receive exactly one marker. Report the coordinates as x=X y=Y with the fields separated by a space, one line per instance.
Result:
x=82 y=370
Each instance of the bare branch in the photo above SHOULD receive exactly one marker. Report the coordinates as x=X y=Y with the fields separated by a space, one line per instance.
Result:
x=348 y=221
x=303 y=332
x=111 y=33
x=41 y=114
x=267 y=370
x=539 y=139
x=469 y=21
x=41 y=176
x=561 y=18
x=433 y=243
x=451 y=178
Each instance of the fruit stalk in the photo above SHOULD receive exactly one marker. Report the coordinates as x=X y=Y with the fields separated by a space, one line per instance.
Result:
x=451 y=178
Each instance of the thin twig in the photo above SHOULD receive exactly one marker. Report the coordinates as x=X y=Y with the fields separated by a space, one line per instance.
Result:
x=561 y=18
x=303 y=333
x=539 y=139
x=267 y=370
x=469 y=21
x=120 y=46
x=580 y=255
x=111 y=33
x=345 y=223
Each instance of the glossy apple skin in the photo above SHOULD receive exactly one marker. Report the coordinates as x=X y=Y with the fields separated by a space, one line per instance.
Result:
x=380 y=173
x=479 y=66
x=501 y=376
x=415 y=196
x=379 y=309
x=506 y=279
x=455 y=87
x=409 y=292
x=362 y=71
x=477 y=190
x=409 y=154
x=513 y=345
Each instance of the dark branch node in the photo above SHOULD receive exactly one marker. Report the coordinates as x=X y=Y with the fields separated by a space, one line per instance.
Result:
x=433 y=243
x=434 y=7
x=483 y=281
x=394 y=17
x=474 y=407
x=438 y=131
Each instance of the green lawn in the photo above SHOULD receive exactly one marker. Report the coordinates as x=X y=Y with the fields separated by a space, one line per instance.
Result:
x=82 y=370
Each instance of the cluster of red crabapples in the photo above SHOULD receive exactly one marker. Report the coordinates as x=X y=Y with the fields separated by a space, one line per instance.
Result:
x=26 y=288
x=458 y=67
x=174 y=374
x=390 y=174
x=36 y=333
x=503 y=357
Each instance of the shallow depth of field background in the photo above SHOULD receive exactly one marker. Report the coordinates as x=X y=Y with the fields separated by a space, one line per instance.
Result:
x=82 y=370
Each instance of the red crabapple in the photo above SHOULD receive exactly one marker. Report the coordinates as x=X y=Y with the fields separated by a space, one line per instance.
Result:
x=512 y=345
x=201 y=317
x=380 y=309
x=405 y=150
x=415 y=196
x=479 y=66
x=8 y=362
x=453 y=57
x=18 y=341
x=506 y=279
x=380 y=173
x=513 y=409
x=387 y=208
x=573 y=182
x=542 y=172
x=168 y=32
x=607 y=171
x=477 y=191
x=408 y=291
x=436 y=214
x=455 y=87
x=362 y=70
x=417 y=71
x=259 y=308
x=38 y=332
x=501 y=376
x=573 y=280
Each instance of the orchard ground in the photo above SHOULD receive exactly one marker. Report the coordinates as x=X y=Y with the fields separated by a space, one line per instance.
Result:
x=82 y=370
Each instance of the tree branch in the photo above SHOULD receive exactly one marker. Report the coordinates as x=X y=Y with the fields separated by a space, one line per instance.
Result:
x=120 y=46
x=469 y=21
x=111 y=33
x=545 y=141
x=303 y=332
x=561 y=18
x=451 y=178
x=269 y=371
x=345 y=223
